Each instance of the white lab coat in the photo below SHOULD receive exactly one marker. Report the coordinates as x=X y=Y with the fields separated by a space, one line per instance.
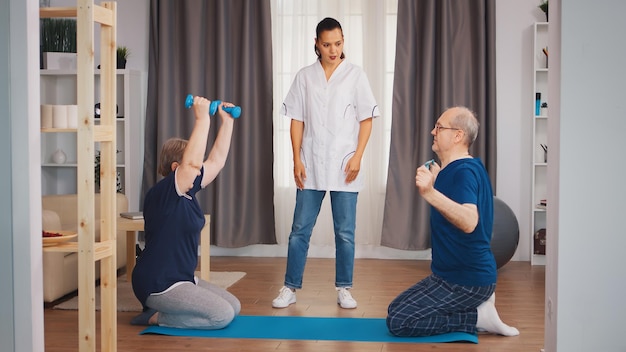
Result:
x=331 y=111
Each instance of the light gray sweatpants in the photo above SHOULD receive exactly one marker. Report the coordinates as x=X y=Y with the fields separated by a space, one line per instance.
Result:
x=195 y=306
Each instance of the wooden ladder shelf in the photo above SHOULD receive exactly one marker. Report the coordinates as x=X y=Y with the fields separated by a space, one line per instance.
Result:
x=89 y=136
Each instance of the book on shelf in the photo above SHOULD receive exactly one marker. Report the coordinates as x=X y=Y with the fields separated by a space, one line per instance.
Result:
x=133 y=215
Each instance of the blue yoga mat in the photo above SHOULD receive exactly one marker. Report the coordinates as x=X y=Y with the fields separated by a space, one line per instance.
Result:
x=309 y=328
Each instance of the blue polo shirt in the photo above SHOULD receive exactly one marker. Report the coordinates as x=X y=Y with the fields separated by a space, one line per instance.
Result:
x=458 y=257
x=172 y=229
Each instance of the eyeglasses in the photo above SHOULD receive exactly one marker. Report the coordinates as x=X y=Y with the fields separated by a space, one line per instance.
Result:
x=439 y=127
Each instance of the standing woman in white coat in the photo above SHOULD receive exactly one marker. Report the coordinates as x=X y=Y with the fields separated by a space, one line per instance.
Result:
x=331 y=107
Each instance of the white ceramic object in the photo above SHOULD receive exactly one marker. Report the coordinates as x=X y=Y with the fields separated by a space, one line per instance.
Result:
x=72 y=116
x=59 y=116
x=59 y=157
x=46 y=116
x=59 y=61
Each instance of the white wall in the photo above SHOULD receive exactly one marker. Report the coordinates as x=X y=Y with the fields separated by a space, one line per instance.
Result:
x=7 y=304
x=586 y=271
x=21 y=310
x=514 y=80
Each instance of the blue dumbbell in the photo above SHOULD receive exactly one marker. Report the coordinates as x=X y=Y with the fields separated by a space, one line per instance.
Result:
x=234 y=111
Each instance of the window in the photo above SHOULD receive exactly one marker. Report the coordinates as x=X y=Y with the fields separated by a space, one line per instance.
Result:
x=369 y=28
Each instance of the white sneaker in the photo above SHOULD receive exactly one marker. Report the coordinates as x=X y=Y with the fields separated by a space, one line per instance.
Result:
x=285 y=297
x=344 y=298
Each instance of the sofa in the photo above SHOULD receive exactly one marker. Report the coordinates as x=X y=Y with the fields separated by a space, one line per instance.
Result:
x=60 y=270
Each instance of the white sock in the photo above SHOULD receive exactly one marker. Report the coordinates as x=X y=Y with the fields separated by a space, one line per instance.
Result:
x=489 y=320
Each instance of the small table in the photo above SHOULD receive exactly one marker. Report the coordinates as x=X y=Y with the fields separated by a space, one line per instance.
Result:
x=131 y=227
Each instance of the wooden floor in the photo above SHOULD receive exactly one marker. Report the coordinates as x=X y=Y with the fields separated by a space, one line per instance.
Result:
x=519 y=300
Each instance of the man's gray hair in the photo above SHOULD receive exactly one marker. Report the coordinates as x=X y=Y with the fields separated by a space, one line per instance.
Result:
x=465 y=120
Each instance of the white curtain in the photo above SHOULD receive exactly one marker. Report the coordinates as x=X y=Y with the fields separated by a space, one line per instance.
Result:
x=369 y=28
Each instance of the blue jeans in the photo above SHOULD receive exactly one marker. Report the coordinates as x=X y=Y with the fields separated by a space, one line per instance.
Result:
x=308 y=204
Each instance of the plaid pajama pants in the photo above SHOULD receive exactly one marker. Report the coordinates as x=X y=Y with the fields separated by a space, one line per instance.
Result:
x=434 y=306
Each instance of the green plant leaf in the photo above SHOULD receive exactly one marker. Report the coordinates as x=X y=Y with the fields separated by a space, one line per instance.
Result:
x=58 y=35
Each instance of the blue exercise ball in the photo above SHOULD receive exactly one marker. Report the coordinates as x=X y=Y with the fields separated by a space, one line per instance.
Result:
x=505 y=235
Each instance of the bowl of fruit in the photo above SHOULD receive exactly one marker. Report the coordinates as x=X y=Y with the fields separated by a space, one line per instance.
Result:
x=54 y=237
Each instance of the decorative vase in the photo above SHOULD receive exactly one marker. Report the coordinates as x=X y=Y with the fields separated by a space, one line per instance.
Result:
x=59 y=157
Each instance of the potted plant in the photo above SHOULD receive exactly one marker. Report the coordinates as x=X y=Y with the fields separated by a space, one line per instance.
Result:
x=58 y=43
x=122 y=56
x=544 y=7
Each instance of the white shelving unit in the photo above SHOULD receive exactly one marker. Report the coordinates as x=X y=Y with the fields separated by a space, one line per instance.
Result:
x=59 y=87
x=539 y=138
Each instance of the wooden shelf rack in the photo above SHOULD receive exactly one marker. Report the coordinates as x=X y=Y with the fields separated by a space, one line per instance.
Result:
x=88 y=136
